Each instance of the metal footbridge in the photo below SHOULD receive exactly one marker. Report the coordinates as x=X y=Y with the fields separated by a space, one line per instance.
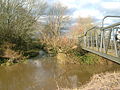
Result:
x=103 y=41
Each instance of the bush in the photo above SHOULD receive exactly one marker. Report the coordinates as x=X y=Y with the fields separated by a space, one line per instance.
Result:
x=17 y=22
x=58 y=44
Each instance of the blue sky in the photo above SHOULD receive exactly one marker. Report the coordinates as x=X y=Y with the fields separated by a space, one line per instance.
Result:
x=94 y=8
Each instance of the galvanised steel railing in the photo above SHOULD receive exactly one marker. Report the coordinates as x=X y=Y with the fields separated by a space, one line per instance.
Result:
x=103 y=40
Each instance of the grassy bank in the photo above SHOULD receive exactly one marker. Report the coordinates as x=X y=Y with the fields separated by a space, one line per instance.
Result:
x=79 y=56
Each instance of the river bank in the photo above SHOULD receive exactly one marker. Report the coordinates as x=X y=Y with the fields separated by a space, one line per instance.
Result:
x=103 y=81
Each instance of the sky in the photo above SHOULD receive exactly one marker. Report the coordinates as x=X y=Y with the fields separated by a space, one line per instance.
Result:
x=96 y=9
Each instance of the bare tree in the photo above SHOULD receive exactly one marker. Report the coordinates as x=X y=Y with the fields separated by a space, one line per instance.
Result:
x=85 y=23
x=56 y=19
x=82 y=25
x=17 y=20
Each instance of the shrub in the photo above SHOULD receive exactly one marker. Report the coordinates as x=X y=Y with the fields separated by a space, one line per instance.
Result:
x=58 y=44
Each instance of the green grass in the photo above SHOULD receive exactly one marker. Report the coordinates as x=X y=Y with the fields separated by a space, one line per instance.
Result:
x=84 y=57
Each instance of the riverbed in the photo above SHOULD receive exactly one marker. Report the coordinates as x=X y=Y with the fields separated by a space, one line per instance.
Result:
x=46 y=74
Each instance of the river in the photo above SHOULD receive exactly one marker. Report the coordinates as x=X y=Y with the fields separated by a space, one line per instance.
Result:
x=47 y=74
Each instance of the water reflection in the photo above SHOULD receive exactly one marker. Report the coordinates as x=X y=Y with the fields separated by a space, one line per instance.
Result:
x=46 y=74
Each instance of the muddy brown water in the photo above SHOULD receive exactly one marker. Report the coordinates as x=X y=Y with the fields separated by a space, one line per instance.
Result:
x=46 y=74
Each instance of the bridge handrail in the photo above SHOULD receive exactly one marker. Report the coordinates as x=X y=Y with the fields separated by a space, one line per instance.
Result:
x=102 y=40
x=107 y=17
x=88 y=31
x=103 y=28
x=110 y=26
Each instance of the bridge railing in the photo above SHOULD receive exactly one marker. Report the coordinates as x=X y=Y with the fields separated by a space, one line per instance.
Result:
x=102 y=39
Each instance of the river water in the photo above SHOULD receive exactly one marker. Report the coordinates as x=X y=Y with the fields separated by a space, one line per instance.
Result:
x=46 y=74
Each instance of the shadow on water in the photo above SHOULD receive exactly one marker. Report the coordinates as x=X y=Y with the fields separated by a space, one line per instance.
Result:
x=46 y=74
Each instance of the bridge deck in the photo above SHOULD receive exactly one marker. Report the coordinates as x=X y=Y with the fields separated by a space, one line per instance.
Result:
x=110 y=57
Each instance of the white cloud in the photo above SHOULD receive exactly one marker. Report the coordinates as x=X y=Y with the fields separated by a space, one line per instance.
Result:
x=94 y=1
x=87 y=12
x=111 y=5
x=80 y=11
x=108 y=21
x=69 y=3
x=94 y=8
x=78 y=3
